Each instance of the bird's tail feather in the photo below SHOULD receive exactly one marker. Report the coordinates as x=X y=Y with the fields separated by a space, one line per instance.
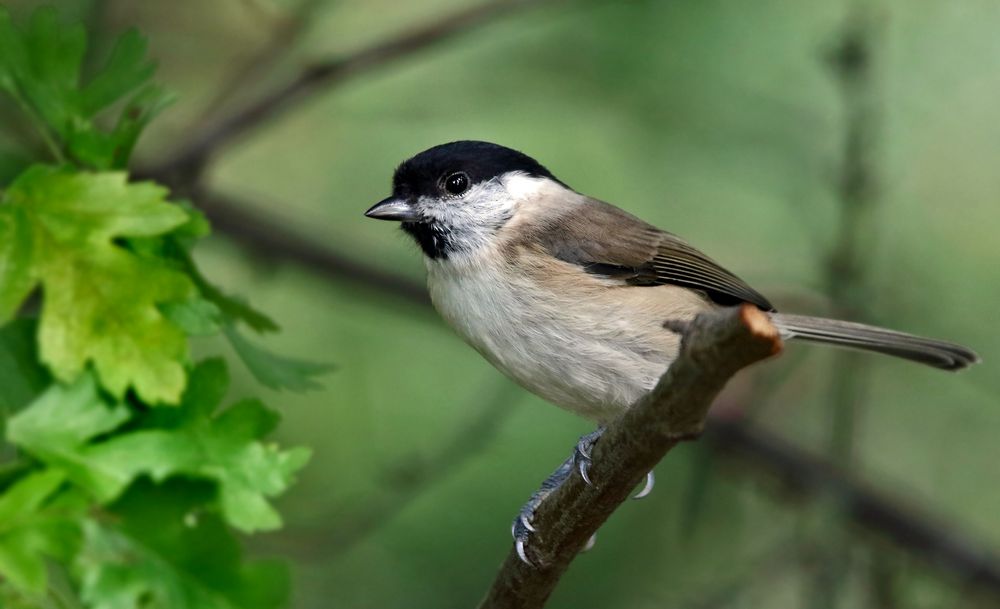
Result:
x=937 y=353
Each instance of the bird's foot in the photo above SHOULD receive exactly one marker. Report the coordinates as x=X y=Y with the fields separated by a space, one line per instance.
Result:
x=580 y=461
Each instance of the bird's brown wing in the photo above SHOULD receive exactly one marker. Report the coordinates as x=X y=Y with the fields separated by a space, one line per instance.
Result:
x=608 y=241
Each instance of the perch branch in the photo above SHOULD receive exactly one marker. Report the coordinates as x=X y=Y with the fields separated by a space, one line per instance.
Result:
x=715 y=346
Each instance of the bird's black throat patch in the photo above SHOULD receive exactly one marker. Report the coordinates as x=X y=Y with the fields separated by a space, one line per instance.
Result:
x=435 y=240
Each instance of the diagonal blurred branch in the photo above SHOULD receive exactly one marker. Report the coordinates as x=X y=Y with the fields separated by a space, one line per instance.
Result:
x=761 y=571
x=937 y=543
x=259 y=63
x=269 y=237
x=812 y=477
x=185 y=166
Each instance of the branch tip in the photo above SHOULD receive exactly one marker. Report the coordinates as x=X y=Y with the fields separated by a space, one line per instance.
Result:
x=760 y=326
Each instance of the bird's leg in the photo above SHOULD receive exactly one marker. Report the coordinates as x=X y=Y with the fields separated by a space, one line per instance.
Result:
x=580 y=461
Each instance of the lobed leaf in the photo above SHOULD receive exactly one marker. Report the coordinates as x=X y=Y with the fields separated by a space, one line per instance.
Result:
x=165 y=552
x=21 y=376
x=100 y=300
x=60 y=426
x=34 y=525
x=15 y=260
x=276 y=371
x=40 y=68
x=64 y=428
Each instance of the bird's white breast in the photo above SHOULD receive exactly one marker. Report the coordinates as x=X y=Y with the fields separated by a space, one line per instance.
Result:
x=586 y=347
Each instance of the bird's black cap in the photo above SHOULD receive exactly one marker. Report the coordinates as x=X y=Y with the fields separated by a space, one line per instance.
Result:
x=481 y=161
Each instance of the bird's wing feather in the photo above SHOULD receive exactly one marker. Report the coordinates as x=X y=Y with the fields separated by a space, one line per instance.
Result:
x=608 y=241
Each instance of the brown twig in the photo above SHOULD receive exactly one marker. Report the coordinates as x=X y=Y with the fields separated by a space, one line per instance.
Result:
x=715 y=346
x=185 y=166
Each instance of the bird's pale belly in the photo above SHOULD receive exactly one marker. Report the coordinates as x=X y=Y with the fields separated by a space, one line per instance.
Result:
x=570 y=351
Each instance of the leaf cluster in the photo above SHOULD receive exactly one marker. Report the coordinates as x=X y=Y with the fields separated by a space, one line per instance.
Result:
x=121 y=467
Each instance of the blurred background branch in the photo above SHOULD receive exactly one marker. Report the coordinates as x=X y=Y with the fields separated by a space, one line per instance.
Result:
x=184 y=167
x=934 y=541
x=852 y=66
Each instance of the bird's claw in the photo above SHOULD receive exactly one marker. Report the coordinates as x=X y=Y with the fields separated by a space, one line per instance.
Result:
x=648 y=488
x=519 y=544
x=522 y=527
x=583 y=466
x=581 y=454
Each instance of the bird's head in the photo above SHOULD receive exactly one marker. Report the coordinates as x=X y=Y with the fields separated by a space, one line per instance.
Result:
x=455 y=197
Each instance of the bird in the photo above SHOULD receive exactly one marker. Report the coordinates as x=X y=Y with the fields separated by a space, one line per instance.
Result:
x=570 y=296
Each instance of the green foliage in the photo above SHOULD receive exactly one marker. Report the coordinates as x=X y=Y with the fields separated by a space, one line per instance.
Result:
x=36 y=522
x=21 y=375
x=166 y=552
x=60 y=429
x=57 y=429
x=273 y=370
x=122 y=469
x=40 y=69
x=100 y=299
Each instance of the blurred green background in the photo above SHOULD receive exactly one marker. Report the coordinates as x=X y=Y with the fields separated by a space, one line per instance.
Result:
x=719 y=120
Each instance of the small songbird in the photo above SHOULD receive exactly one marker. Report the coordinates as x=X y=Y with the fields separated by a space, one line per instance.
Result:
x=568 y=295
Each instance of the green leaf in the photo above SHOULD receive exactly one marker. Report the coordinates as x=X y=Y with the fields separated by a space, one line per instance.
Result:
x=21 y=376
x=140 y=110
x=276 y=371
x=12 y=162
x=192 y=440
x=166 y=552
x=93 y=147
x=195 y=228
x=126 y=69
x=15 y=260
x=35 y=525
x=101 y=300
x=233 y=308
x=58 y=428
x=223 y=448
x=40 y=67
x=197 y=317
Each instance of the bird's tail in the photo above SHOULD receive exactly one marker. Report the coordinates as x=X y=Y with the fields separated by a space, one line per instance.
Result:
x=937 y=353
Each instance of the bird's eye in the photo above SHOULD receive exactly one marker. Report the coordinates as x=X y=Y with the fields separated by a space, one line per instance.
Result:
x=456 y=183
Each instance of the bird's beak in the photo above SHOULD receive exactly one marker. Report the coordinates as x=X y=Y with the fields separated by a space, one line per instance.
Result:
x=393 y=209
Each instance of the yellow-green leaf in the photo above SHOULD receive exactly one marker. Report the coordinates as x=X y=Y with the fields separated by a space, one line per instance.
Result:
x=100 y=299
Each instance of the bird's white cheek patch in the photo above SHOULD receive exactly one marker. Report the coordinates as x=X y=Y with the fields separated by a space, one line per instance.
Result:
x=523 y=186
